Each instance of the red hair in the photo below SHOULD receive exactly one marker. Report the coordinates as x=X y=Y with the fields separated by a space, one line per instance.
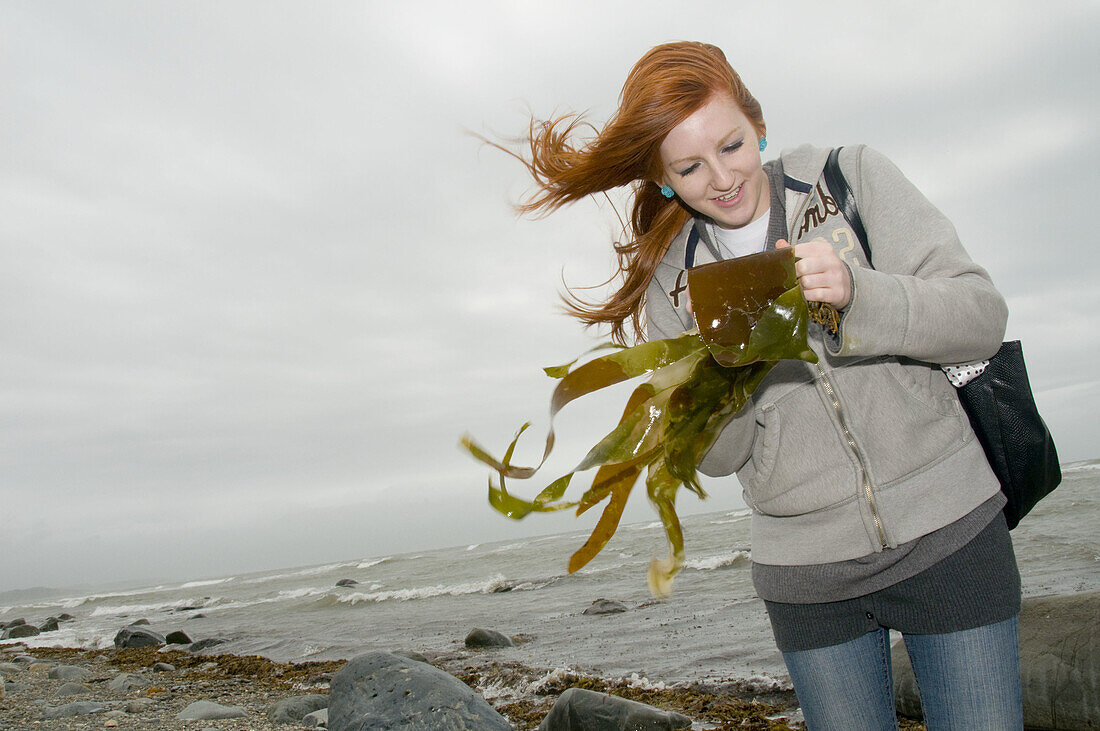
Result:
x=666 y=86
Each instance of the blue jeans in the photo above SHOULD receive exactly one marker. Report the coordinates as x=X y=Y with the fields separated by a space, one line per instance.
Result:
x=967 y=680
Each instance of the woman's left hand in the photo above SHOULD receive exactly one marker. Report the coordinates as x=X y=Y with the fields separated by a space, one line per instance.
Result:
x=821 y=274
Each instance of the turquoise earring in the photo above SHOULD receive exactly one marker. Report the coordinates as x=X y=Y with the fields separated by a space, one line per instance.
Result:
x=667 y=191
x=763 y=143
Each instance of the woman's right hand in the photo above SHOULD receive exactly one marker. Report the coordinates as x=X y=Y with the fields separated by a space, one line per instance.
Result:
x=821 y=273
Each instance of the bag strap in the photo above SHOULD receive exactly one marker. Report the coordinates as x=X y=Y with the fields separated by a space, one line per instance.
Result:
x=845 y=200
x=692 y=243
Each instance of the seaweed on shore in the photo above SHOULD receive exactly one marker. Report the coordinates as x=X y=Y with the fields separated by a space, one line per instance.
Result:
x=732 y=705
x=255 y=668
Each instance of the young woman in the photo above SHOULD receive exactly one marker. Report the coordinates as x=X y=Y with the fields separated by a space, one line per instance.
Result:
x=873 y=505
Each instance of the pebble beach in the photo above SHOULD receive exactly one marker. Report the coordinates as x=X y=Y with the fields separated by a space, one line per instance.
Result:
x=150 y=687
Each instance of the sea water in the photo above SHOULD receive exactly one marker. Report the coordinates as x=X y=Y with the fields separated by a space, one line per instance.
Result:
x=712 y=628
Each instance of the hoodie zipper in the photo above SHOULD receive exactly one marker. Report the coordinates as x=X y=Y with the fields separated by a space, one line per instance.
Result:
x=862 y=467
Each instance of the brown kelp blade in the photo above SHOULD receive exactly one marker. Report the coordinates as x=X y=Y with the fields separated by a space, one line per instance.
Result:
x=750 y=308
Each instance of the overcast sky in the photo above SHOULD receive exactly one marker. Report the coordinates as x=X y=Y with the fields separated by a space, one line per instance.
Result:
x=257 y=279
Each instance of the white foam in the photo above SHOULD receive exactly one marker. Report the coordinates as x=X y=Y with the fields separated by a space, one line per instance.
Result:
x=765 y=684
x=368 y=562
x=709 y=563
x=299 y=593
x=208 y=582
x=735 y=516
x=311 y=571
x=1091 y=465
x=489 y=586
x=116 y=609
x=640 y=681
x=557 y=675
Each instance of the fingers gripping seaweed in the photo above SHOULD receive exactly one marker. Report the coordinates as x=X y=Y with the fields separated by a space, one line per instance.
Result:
x=750 y=314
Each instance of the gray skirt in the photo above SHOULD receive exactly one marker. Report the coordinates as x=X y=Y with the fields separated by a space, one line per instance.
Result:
x=977 y=585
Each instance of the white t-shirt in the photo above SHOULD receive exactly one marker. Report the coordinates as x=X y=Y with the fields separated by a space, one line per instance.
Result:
x=749 y=239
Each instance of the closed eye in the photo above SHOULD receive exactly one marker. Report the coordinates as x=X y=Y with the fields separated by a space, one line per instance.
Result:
x=688 y=170
x=733 y=147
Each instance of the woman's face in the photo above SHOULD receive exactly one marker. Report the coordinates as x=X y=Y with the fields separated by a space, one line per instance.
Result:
x=712 y=161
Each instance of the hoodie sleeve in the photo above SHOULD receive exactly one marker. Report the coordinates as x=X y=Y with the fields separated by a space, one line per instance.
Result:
x=926 y=298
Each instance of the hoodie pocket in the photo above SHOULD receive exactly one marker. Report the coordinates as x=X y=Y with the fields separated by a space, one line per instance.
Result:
x=800 y=462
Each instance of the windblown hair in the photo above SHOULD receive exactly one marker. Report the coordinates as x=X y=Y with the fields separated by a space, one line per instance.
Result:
x=667 y=85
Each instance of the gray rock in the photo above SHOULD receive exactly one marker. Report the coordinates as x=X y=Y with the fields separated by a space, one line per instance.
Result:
x=317 y=719
x=381 y=691
x=605 y=606
x=12 y=623
x=487 y=638
x=137 y=637
x=69 y=672
x=209 y=711
x=72 y=689
x=11 y=668
x=346 y=582
x=292 y=710
x=125 y=682
x=80 y=708
x=65 y=617
x=140 y=705
x=140 y=623
x=50 y=625
x=178 y=638
x=164 y=667
x=1059 y=664
x=20 y=630
x=585 y=710
x=205 y=644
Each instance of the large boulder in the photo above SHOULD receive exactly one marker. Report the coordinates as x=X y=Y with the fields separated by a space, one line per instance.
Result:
x=293 y=710
x=177 y=638
x=20 y=630
x=1059 y=664
x=137 y=636
x=479 y=638
x=586 y=710
x=381 y=691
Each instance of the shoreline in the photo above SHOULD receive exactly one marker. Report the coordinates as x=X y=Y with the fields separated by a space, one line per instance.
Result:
x=524 y=695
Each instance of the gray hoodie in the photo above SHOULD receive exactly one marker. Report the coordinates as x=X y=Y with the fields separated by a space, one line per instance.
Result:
x=869 y=448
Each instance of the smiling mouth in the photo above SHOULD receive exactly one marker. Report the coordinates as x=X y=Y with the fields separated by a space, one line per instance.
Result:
x=731 y=195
